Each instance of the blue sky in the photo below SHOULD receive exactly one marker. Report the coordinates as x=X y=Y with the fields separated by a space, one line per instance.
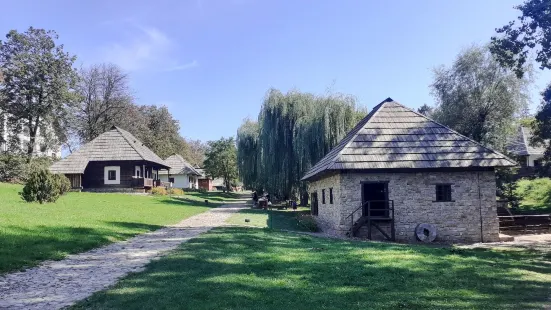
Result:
x=211 y=62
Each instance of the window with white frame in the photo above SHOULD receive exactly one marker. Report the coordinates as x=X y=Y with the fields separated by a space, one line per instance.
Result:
x=112 y=175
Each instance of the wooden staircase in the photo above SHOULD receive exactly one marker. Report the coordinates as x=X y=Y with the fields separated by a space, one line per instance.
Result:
x=362 y=216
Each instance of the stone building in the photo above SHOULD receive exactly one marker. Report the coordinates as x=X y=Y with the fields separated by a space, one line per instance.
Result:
x=398 y=169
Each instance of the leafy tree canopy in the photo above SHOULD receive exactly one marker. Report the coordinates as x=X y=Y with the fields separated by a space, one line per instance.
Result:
x=221 y=160
x=531 y=33
x=293 y=132
x=479 y=98
x=38 y=78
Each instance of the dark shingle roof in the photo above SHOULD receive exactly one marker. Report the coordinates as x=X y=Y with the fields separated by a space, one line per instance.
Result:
x=113 y=145
x=178 y=165
x=520 y=144
x=392 y=136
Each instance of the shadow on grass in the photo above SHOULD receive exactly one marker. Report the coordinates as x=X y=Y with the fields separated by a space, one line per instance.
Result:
x=220 y=196
x=23 y=247
x=241 y=268
x=275 y=219
x=185 y=202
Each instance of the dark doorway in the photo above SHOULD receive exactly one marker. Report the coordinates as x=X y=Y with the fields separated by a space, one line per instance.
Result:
x=375 y=197
x=314 y=203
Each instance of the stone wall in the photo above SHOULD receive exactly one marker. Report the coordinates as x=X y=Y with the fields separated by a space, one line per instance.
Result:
x=328 y=214
x=414 y=196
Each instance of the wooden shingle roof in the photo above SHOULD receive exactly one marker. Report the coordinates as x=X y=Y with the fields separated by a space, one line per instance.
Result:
x=520 y=144
x=392 y=136
x=114 y=145
x=178 y=165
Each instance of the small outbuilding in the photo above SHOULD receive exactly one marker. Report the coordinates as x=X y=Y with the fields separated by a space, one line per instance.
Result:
x=114 y=161
x=528 y=155
x=182 y=174
x=402 y=176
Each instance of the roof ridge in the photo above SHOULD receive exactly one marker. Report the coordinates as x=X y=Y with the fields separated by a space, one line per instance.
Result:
x=329 y=159
x=361 y=124
x=439 y=124
x=122 y=132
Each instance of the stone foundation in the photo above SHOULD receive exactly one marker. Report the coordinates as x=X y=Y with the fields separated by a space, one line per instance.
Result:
x=114 y=190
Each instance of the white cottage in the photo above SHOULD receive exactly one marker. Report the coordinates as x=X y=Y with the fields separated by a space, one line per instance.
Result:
x=398 y=172
x=182 y=174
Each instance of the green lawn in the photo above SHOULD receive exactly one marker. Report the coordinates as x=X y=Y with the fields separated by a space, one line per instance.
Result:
x=250 y=268
x=30 y=233
x=275 y=219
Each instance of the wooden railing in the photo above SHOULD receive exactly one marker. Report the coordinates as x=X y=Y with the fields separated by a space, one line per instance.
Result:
x=142 y=182
x=358 y=219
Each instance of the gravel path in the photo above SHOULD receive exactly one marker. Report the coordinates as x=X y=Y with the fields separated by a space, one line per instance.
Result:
x=57 y=284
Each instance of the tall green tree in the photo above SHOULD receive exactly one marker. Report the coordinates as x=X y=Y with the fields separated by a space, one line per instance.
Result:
x=479 y=98
x=38 y=78
x=516 y=43
x=247 y=153
x=221 y=160
x=294 y=131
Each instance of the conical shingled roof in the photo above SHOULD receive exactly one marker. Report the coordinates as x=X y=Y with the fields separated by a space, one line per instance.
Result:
x=113 y=145
x=392 y=136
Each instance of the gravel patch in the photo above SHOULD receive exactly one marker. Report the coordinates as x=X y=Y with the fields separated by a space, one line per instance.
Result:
x=535 y=242
x=58 y=284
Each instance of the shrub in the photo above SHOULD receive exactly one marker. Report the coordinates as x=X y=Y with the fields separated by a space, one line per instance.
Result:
x=534 y=195
x=161 y=191
x=308 y=221
x=17 y=168
x=12 y=168
x=176 y=191
x=62 y=183
x=41 y=186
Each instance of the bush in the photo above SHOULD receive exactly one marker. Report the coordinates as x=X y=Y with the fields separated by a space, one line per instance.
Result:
x=176 y=191
x=534 y=195
x=309 y=222
x=16 y=168
x=42 y=186
x=62 y=183
x=161 y=191
x=12 y=168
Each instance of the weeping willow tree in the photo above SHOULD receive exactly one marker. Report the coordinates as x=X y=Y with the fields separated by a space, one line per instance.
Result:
x=247 y=141
x=294 y=131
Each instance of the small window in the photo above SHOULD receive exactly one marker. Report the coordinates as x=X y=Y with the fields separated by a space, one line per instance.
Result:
x=443 y=192
x=331 y=195
x=537 y=163
x=323 y=196
x=111 y=175
x=171 y=180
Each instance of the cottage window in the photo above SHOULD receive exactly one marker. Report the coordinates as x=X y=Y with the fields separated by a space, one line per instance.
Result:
x=323 y=196
x=331 y=195
x=112 y=175
x=171 y=180
x=443 y=192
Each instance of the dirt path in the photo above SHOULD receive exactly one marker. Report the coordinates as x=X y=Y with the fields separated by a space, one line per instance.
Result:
x=539 y=242
x=57 y=284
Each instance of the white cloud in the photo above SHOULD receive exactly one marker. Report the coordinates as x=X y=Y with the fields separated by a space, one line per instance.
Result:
x=189 y=65
x=145 y=48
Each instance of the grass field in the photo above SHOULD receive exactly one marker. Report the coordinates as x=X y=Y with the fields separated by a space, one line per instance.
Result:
x=275 y=219
x=30 y=233
x=249 y=268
